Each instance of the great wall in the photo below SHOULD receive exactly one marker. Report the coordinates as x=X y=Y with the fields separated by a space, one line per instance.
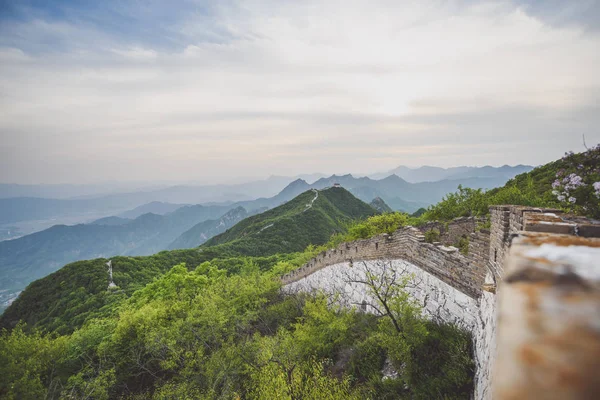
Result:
x=528 y=289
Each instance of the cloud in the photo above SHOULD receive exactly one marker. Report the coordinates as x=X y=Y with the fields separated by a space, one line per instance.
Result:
x=257 y=86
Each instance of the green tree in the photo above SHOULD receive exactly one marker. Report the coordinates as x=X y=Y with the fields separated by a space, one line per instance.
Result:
x=29 y=364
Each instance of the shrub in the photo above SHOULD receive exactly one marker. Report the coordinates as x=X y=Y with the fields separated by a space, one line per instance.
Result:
x=577 y=185
x=432 y=235
x=463 y=245
x=378 y=224
x=441 y=364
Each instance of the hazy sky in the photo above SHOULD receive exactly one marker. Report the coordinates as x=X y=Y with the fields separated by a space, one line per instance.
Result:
x=201 y=90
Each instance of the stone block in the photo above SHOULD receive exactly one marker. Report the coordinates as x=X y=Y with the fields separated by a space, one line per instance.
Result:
x=587 y=230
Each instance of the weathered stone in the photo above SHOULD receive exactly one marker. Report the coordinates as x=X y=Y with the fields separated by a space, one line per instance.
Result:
x=489 y=287
x=549 y=336
x=588 y=230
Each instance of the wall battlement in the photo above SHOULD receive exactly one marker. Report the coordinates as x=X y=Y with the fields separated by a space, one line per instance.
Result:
x=464 y=272
x=537 y=268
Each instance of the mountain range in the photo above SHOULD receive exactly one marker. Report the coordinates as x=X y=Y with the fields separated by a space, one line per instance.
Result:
x=432 y=174
x=26 y=209
x=203 y=231
x=33 y=256
x=309 y=218
x=143 y=230
x=396 y=192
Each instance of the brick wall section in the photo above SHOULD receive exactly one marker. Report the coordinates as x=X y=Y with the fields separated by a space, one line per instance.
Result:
x=487 y=248
x=465 y=273
x=479 y=248
x=507 y=221
x=451 y=233
x=500 y=227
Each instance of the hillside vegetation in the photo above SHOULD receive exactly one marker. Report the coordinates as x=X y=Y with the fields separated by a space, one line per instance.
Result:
x=571 y=183
x=218 y=327
x=62 y=301
x=311 y=218
x=204 y=230
x=207 y=334
x=34 y=256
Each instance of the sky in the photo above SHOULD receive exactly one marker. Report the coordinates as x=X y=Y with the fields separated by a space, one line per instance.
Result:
x=97 y=91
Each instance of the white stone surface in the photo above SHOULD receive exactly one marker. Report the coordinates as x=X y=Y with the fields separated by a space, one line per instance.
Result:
x=484 y=338
x=439 y=300
x=581 y=259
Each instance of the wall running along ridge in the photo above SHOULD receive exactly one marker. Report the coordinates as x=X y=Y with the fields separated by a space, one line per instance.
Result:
x=492 y=278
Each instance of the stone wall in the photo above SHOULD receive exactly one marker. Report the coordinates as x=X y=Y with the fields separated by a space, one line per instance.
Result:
x=509 y=224
x=548 y=336
x=438 y=299
x=463 y=289
x=463 y=272
x=451 y=233
x=484 y=338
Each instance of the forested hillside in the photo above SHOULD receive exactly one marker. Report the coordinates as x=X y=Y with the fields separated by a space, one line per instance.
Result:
x=571 y=183
x=34 y=256
x=64 y=298
x=310 y=218
x=198 y=324
x=204 y=230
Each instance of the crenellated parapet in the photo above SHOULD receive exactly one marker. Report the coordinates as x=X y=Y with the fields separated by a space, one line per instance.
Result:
x=465 y=272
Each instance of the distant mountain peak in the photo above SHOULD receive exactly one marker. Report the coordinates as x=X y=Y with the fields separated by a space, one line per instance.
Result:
x=298 y=181
x=393 y=178
x=380 y=205
x=236 y=210
x=294 y=188
x=428 y=173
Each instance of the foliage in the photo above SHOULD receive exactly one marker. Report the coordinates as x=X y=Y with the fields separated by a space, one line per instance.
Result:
x=486 y=224
x=432 y=235
x=310 y=218
x=420 y=350
x=378 y=224
x=463 y=245
x=207 y=334
x=577 y=184
x=28 y=364
x=441 y=365
x=465 y=202
x=571 y=183
x=65 y=300
x=419 y=212
x=308 y=380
